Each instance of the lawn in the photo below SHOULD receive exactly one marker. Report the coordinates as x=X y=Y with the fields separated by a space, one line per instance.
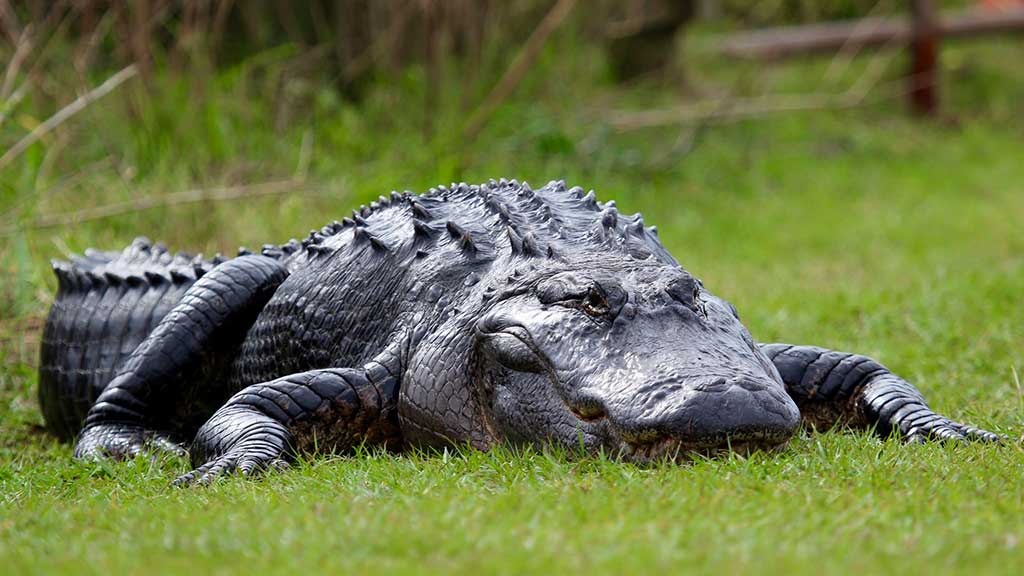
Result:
x=859 y=229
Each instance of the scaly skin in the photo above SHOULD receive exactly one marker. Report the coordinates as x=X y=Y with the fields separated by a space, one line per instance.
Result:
x=107 y=303
x=476 y=314
x=831 y=387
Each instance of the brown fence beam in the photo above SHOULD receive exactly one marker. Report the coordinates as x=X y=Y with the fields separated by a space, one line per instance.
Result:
x=784 y=42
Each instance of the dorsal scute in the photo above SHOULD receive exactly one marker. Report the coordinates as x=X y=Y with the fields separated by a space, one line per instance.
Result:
x=484 y=221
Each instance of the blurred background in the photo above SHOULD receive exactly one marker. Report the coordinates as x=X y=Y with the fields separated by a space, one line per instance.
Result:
x=848 y=153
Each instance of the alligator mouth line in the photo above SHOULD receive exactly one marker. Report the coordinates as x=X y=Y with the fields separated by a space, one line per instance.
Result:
x=678 y=451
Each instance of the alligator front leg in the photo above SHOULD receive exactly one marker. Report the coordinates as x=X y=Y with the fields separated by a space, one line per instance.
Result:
x=320 y=411
x=833 y=387
x=168 y=379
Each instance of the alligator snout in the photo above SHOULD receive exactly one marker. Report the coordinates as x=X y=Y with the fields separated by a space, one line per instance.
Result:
x=741 y=413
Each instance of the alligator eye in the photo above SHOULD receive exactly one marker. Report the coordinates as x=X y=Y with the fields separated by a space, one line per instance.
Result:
x=576 y=291
x=594 y=303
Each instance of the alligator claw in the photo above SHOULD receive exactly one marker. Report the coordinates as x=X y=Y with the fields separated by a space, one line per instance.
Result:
x=238 y=461
x=945 y=430
x=124 y=442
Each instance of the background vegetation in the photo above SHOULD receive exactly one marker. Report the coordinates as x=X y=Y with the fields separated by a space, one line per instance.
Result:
x=841 y=222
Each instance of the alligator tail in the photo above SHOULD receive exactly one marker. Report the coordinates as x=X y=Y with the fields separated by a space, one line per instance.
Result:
x=106 y=304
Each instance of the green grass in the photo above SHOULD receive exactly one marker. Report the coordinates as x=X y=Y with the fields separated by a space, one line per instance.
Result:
x=861 y=230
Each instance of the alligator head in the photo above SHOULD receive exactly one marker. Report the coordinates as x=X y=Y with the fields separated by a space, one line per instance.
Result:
x=632 y=356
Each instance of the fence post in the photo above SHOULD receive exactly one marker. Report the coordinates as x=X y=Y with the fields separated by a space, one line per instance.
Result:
x=923 y=89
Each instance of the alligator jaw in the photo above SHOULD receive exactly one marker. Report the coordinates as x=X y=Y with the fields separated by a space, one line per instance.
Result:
x=674 y=450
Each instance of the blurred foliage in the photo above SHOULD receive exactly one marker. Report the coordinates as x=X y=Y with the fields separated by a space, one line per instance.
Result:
x=778 y=12
x=754 y=13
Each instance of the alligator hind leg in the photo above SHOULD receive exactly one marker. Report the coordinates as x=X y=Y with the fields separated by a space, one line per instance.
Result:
x=320 y=411
x=833 y=387
x=170 y=378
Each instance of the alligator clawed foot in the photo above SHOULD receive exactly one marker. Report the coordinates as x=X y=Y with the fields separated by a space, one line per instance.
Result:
x=945 y=430
x=237 y=461
x=124 y=442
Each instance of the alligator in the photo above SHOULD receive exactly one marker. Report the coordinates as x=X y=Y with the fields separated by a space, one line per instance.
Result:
x=470 y=315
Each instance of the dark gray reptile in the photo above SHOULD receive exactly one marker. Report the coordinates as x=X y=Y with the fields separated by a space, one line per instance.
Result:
x=468 y=315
